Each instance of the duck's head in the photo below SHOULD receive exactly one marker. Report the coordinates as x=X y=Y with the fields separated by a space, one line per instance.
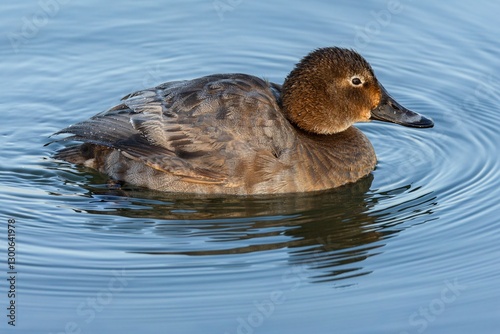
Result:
x=332 y=88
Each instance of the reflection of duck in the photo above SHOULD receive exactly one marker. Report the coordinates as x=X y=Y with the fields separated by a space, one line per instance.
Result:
x=330 y=227
x=238 y=134
x=326 y=235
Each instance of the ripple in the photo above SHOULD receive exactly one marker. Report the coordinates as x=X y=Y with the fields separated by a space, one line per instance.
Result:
x=377 y=250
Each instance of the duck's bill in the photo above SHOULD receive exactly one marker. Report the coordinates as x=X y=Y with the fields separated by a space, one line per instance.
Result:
x=389 y=110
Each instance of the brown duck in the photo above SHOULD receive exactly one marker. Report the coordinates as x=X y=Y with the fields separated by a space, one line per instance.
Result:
x=239 y=134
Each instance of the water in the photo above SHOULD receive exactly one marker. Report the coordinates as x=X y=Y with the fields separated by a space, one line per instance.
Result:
x=412 y=248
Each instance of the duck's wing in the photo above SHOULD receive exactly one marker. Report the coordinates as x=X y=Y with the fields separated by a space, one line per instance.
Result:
x=199 y=129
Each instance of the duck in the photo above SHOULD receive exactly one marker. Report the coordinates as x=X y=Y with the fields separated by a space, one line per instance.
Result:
x=239 y=134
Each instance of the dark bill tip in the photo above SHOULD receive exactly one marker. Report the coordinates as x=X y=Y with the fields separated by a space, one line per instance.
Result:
x=391 y=111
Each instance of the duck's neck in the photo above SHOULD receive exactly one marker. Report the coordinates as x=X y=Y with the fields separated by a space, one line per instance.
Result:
x=327 y=161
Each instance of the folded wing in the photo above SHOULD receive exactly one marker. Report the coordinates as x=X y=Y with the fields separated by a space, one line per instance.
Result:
x=201 y=130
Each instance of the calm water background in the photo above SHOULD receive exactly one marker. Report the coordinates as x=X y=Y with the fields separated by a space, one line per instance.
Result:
x=413 y=248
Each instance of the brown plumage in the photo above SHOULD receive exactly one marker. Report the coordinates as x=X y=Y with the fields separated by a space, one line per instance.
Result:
x=238 y=134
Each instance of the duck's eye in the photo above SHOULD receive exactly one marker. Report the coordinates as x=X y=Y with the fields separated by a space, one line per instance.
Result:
x=356 y=81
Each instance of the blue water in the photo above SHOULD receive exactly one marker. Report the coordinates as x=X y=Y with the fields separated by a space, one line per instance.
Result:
x=411 y=249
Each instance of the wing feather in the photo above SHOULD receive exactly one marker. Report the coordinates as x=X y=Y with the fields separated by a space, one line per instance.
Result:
x=195 y=129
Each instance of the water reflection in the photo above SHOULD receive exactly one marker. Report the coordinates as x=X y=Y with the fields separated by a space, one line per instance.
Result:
x=327 y=234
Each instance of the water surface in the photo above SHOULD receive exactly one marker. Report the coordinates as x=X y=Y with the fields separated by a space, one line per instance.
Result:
x=411 y=248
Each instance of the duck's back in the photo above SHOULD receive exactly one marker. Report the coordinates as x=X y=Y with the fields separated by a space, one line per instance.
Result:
x=215 y=134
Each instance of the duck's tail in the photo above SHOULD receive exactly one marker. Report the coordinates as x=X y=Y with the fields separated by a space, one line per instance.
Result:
x=71 y=154
x=86 y=154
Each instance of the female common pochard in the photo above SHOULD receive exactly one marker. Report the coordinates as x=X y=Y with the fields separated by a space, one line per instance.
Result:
x=239 y=134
